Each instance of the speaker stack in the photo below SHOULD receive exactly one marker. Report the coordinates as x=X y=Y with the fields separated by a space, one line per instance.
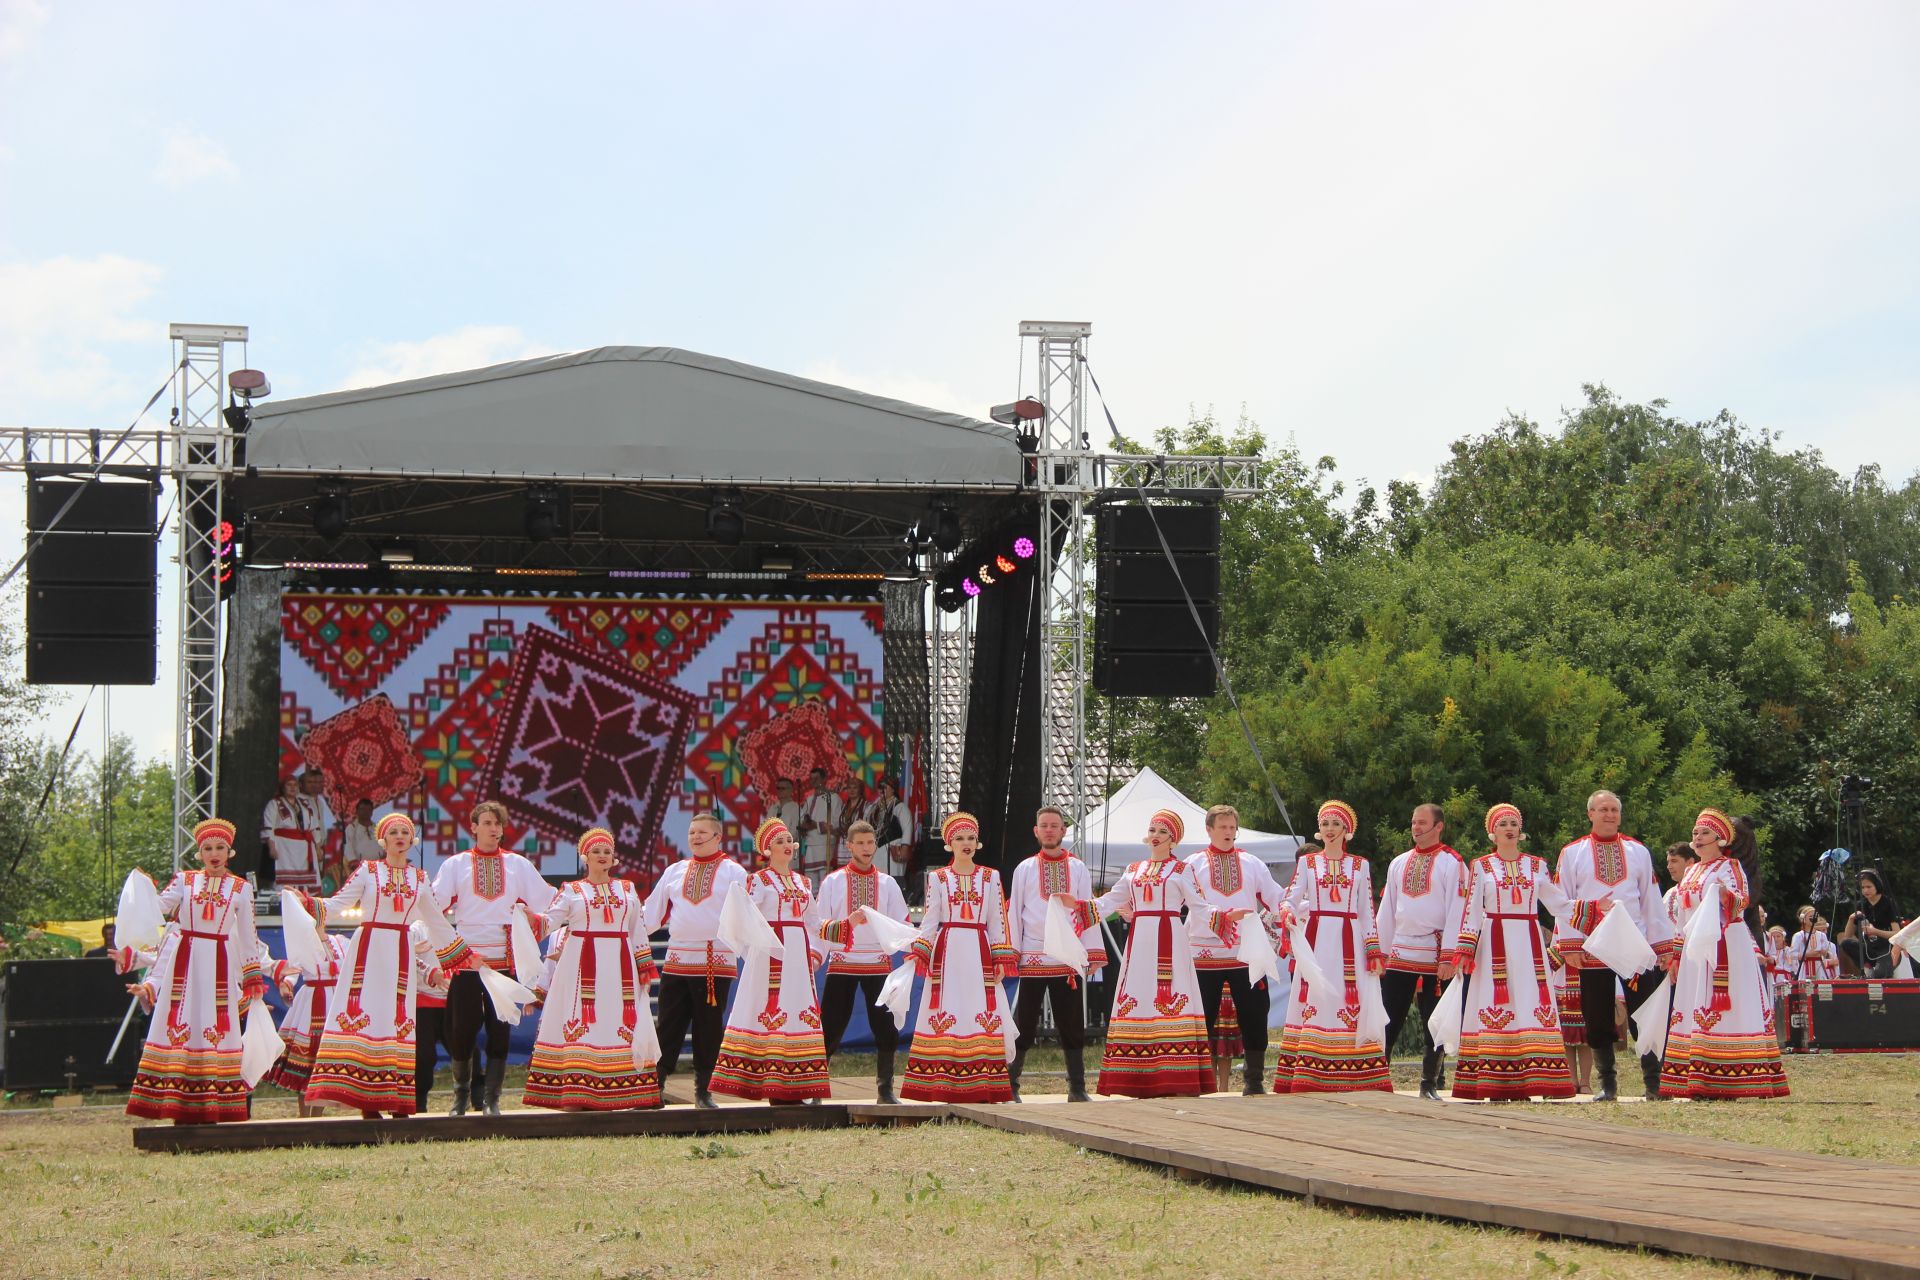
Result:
x=58 y=1018
x=1145 y=642
x=92 y=585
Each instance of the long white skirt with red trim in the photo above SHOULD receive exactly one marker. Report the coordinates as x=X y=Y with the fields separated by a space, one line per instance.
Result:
x=1722 y=1053
x=1319 y=1048
x=1511 y=1046
x=1157 y=1035
x=773 y=1048
x=959 y=1048
x=585 y=1056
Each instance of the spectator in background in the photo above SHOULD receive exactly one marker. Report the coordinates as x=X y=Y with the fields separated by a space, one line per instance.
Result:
x=1863 y=943
x=893 y=821
x=361 y=844
x=785 y=806
x=105 y=949
x=822 y=816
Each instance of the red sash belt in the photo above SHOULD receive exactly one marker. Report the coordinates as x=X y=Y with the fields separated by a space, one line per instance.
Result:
x=1500 y=995
x=776 y=965
x=317 y=1013
x=1163 y=970
x=402 y=963
x=294 y=833
x=588 y=986
x=1346 y=947
x=936 y=978
x=1721 y=998
x=177 y=1006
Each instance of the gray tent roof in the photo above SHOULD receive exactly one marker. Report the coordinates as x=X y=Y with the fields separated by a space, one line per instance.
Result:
x=653 y=414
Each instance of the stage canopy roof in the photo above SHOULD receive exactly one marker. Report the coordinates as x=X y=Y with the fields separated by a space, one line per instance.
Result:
x=653 y=415
x=1121 y=823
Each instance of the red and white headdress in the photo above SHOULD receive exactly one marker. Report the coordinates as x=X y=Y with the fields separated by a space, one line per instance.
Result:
x=595 y=838
x=1342 y=810
x=955 y=824
x=768 y=830
x=392 y=822
x=211 y=828
x=1171 y=821
x=1503 y=810
x=1718 y=823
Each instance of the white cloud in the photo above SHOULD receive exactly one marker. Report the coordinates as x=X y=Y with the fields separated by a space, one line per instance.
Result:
x=472 y=347
x=188 y=158
x=60 y=319
x=20 y=23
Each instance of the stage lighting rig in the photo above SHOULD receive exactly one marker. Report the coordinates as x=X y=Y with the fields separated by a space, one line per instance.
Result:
x=1006 y=556
x=544 y=512
x=1012 y=415
x=725 y=524
x=330 y=512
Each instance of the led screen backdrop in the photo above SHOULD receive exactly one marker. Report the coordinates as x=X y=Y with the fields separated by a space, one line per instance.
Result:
x=575 y=713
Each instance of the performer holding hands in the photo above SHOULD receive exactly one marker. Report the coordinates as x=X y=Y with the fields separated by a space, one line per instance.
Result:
x=959 y=1050
x=1421 y=911
x=1233 y=890
x=1051 y=873
x=856 y=963
x=699 y=972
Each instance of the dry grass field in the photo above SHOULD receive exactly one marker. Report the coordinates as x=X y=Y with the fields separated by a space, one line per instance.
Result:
x=926 y=1201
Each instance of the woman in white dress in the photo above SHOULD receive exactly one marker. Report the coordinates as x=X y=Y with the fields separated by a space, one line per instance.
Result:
x=960 y=1041
x=365 y=1059
x=306 y=1018
x=596 y=1049
x=1157 y=1036
x=204 y=978
x=1320 y=1049
x=1510 y=1042
x=287 y=828
x=1720 y=1037
x=773 y=1047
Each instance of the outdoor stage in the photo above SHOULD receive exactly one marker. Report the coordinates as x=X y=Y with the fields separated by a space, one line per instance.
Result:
x=1509 y=1165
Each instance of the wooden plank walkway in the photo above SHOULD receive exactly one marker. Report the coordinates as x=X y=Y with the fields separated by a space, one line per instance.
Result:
x=1513 y=1165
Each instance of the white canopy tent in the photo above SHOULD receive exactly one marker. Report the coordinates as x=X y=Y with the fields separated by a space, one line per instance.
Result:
x=1114 y=834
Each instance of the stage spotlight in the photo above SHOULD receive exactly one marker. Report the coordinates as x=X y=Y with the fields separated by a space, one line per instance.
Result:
x=543 y=512
x=950 y=598
x=330 y=514
x=945 y=530
x=778 y=559
x=249 y=384
x=1012 y=415
x=397 y=553
x=725 y=524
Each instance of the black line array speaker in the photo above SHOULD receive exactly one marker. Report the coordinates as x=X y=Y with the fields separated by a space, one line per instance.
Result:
x=1145 y=641
x=59 y=1019
x=92 y=584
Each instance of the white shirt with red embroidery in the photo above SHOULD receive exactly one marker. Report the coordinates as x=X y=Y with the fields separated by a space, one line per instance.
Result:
x=1034 y=882
x=851 y=948
x=1423 y=905
x=1620 y=869
x=686 y=899
x=1223 y=881
x=478 y=891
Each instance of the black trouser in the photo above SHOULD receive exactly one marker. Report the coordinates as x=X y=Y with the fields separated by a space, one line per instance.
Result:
x=683 y=1003
x=836 y=1010
x=468 y=1011
x=1069 y=1018
x=1399 y=991
x=429 y=1029
x=1596 y=999
x=1250 y=1005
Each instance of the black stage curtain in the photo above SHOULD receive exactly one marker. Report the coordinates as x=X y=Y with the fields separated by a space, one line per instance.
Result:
x=1000 y=766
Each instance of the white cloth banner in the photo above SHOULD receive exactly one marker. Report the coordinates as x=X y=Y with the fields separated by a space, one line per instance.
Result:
x=1062 y=942
x=139 y=920
x=260 y=1044
x=508 y=996
x=742 y=927
x=1448 y=1013
x=1618 y=943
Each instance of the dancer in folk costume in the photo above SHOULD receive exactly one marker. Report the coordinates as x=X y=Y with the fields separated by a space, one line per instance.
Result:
x=1320 y=1049
x=306 y=1018
x=596 y=1049
x=959 y=1049
x=429 y=1014
x=1606 y=866
x=773 y=1048
x=365 y=1060
x=1232 y=885
x=204 y=978
x=686 y=900
x=479 y=888
x=1051 y=873
x=857 y=965
x=1157 y=1036
x=1421 y=909
x=287 y=829
x=1510 y=1042
x=1720 y=1037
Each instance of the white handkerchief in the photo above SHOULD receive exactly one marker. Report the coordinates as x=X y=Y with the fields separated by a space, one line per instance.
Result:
x=1651 y=1022
x=1256 y=952
x=260 y=1044
x=896 y=993
x=1307 y=968
x=1617 y=943
x=302 y=939
x=1372 y=1028
x=138 y=921
x=526 y=952
x=742 y=927
x=507 y=995
x=1062 y=942
x=1444 y=1025
x=891 y=934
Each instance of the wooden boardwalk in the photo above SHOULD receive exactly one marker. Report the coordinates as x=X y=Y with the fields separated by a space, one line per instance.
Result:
x=1513 y=1165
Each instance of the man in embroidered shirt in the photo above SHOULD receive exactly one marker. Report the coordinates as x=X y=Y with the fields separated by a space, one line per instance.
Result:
x=478 y=889
x=699 y=972
x=856 y=963
x=1605 y=866
x=1233 y=885
x=820 y=819
x=1036 y=881
x=1423 y=907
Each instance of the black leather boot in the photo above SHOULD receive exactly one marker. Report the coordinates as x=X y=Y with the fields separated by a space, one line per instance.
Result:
x=703 y=1101
x=1650 y=1076
x=462 y=1085
x=1431 y=1066
x=1077 y=1076
x=1254 y=1072
x=1603 y=1066
x=1013 y=1072
x=496 y=1076
x=883 y=1079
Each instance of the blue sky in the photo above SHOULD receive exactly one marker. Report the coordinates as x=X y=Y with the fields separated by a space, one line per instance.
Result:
x=1374 y=227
